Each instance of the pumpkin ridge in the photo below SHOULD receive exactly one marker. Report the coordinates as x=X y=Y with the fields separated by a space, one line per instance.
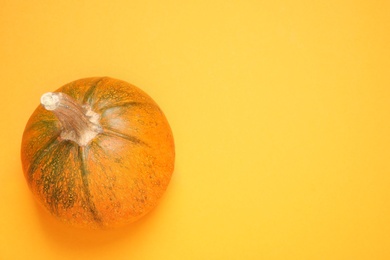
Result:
x=120 y=104
x=41 y=153
x=88 y=94
x=113 y=132
x=84 y=177
x=98 y=150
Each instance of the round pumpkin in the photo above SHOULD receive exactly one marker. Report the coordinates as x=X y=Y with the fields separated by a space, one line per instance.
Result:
x=98 y=153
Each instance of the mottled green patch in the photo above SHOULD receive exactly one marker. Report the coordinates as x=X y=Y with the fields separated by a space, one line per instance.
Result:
x=46 y=150
x=43 y=125
x=57 y=181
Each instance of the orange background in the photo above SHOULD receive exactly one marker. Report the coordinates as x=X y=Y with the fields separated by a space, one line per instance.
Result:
x=280 y=112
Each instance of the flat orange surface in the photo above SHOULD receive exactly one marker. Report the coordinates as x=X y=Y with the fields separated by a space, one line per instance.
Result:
x=280 y=112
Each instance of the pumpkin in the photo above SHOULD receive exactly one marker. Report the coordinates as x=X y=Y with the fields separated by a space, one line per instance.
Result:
x=98 y=153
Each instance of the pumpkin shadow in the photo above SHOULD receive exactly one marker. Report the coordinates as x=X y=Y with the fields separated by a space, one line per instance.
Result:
x=71 y=237
x=76 y=238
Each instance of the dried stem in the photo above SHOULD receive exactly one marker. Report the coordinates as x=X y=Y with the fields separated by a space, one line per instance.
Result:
x=79 y=123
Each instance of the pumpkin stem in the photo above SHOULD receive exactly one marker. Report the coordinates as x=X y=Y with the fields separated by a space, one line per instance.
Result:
x=79 y=123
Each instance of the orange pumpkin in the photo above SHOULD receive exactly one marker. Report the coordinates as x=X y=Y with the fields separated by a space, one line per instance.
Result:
x=98 y=153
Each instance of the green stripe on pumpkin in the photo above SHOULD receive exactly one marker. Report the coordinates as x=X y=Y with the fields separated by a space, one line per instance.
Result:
x=112 y=132
x=88 y=95
x=82 y=152
x=126 y=104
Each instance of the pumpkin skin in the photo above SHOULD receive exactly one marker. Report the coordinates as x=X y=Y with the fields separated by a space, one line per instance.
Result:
x=118 y=176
